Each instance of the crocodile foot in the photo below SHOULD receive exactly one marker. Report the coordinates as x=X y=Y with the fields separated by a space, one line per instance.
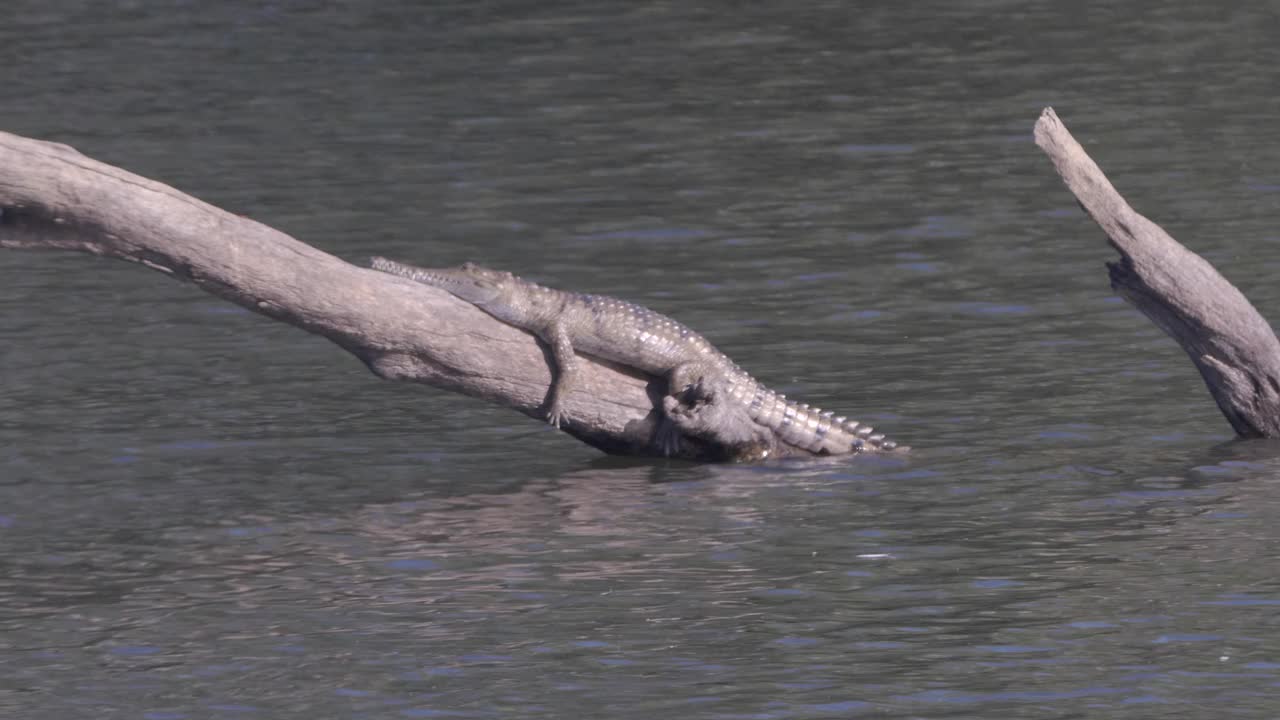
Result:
x=667 y=436
x=555 y=414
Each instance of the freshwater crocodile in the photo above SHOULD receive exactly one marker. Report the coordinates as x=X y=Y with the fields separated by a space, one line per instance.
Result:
x=640 y=338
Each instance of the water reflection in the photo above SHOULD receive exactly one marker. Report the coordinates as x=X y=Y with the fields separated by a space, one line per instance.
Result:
x=726 y=587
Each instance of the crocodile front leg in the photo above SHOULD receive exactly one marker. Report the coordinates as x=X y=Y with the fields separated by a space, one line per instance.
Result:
x=566 y=369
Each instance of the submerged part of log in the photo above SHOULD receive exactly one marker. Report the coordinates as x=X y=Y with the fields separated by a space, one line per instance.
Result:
x=55 y=198
x=1232 y=346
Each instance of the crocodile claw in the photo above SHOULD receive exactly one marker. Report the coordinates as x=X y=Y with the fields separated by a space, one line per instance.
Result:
x=667 y=437
x=555 y=415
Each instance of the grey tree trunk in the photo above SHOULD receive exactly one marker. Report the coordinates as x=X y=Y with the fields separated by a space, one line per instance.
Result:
x=1232 y=346
x=53 y=197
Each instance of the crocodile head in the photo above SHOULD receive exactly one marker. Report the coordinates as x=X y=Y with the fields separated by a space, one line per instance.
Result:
x=477 y=285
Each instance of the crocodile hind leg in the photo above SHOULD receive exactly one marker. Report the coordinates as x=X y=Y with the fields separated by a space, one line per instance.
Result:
x=709 y=411
x=702 y=403
x=683 y=392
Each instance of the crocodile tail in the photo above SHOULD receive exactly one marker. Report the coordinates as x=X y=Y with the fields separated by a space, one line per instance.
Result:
x=816 y=430
x=865 y=435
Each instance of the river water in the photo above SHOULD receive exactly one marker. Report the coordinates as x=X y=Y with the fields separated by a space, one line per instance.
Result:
x=206 y=514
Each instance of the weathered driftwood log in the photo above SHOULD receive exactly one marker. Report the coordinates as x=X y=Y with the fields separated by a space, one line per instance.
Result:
x=1232 y=346
x=53 y=197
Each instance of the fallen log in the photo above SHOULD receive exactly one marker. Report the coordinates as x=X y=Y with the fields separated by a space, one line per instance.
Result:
x=1228 y=341
x=53 y=197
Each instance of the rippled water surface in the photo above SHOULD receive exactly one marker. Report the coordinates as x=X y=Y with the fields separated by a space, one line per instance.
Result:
x=206 y=514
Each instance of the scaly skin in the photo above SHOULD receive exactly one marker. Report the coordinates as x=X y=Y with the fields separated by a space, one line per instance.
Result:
x=638 y=337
